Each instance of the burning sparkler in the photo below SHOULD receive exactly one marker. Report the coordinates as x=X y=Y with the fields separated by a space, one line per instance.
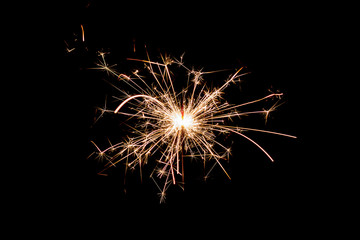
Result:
x=175 y=125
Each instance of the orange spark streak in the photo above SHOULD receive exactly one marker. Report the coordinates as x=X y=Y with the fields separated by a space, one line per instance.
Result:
x=82 y=33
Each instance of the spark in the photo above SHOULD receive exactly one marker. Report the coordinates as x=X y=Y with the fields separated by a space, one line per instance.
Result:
x=134 y=45
x=82 y=33
x=68 y=49
x=173 y=126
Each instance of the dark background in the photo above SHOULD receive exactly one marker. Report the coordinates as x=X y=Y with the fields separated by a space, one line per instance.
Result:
x=273 y=41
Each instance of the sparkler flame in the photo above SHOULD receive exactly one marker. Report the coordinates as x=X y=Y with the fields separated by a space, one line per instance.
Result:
x=174 y=125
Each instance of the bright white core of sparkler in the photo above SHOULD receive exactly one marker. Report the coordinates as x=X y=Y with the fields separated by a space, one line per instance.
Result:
x=180 y=121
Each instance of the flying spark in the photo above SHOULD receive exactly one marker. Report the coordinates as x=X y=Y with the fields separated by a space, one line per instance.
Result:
x=82 y=33
x=175 y=125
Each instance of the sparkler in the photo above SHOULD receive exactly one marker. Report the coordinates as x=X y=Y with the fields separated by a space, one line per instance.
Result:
x=175 y=125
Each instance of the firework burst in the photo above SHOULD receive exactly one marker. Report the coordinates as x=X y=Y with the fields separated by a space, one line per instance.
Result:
x=174 y=125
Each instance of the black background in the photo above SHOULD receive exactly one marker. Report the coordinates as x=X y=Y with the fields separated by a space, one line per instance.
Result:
x=272 y=41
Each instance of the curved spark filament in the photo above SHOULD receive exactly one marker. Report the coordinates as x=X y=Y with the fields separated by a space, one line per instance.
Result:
x=173 y=126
